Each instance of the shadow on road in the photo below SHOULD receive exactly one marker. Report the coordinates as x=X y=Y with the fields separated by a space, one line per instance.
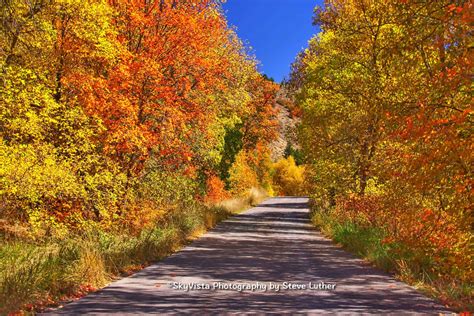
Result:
x=273 y=242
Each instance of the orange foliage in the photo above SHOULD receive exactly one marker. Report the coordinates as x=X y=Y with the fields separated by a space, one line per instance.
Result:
x=215 y=190
x=152 y=101
x=262 y=126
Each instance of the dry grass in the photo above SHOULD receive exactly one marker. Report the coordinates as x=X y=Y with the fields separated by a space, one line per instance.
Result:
x=90 y=267
x=33 y=275
x=252 y=198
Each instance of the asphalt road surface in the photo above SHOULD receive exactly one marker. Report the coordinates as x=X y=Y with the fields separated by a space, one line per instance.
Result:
x=271 y=243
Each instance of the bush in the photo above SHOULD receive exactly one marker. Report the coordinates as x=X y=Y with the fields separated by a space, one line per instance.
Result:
x=288 y=178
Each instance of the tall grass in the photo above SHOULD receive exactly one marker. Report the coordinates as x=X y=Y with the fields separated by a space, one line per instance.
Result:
x=367 y=242
x=363 y=241
x=33 y=275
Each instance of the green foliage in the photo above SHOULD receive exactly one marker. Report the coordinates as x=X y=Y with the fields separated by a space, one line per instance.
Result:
x=268 y=78
x=297 y=154
x=233 y=145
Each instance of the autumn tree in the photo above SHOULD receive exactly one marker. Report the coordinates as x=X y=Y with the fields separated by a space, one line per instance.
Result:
x=51 y=166
x=110 y=107
x=387 y=123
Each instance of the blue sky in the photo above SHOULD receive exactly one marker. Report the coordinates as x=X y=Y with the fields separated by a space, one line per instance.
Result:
x=276 y=30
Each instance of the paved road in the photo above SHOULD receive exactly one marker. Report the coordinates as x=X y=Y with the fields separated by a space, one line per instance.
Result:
x=273 y=242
